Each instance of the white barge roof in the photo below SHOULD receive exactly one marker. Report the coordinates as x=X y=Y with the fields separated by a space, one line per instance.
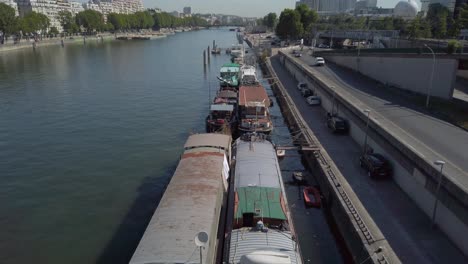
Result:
x=273 y=245
x=256 y=164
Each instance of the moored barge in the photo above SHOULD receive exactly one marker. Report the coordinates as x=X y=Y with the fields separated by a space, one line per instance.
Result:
x=191 y=205
x=260 y=228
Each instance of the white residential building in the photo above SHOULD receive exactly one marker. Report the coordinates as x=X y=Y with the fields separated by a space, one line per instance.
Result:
x=50 y=8
x=76 y=7
x=11 y=3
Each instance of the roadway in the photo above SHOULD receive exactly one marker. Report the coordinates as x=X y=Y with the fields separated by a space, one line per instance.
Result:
x=404 y=225
x=432 y=138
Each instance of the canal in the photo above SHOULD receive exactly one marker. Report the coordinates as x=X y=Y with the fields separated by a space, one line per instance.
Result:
x=90 y=136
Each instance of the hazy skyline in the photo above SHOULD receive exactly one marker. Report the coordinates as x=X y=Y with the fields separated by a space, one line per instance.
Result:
x=244 y=8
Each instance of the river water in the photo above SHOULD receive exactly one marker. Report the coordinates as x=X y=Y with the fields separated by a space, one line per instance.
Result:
x=90 y=136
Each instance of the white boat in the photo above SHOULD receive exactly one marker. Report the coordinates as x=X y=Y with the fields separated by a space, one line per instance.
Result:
x=237 y=51
x=248 y=75
x=280 y=153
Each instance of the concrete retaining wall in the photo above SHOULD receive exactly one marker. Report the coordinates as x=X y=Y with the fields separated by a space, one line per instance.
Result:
x=408 y=73
x=353 y=221
x=415 y=176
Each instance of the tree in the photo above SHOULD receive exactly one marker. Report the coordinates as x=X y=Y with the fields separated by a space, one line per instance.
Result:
x=53 y=31
x=91 y=20
x=8 y=20
x=307 y=16
x=68 y=22
x=270 y=20
x=437 y=16
x=34 y=22
x=414 y=30
x=289 y=25
x=463 y=17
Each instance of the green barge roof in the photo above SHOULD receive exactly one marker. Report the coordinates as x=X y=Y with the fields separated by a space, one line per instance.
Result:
x=264 y=201
x=231 y=65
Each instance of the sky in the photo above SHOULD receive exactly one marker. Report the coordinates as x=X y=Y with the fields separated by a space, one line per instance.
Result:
x=244 y=8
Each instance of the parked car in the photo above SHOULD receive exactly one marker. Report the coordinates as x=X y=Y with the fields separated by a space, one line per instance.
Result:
x=306 y=92
x=376 y=165
x=313 y=100
x=301 y=86
x=336 y=123
x=319 y=61
x=323 y=46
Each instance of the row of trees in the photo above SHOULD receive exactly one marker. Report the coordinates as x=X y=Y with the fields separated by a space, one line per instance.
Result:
x=438 y=23
x=90 y=21
x=32 y=22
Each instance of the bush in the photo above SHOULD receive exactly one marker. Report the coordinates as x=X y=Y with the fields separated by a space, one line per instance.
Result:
x=452 y=46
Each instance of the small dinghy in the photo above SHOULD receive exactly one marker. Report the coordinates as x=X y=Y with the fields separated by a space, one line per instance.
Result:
x=312 y=197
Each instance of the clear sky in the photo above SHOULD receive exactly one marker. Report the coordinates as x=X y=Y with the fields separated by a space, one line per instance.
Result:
x=245 y=8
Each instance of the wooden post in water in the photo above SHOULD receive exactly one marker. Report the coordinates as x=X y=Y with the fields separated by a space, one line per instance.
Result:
x=204 y=57
x=209 y=54
x=214 y=44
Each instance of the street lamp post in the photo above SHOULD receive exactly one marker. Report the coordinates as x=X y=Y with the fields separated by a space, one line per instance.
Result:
x=441 y=164
x=367 y=111
x=429 y=88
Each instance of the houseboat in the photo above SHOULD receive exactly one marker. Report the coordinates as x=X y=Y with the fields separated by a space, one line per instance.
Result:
x=254 y=115
x=248 y=75
x=259 y=228
x=229 y=75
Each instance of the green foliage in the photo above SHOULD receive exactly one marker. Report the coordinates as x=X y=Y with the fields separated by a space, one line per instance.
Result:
x=138 y=20
x=165 y=20
x=463 y=17
x=308 y=16
x=437 y=16
x=452 y=46
x=8 y=20
x=68 y=22
x=289 y=25
x=53 y=31
x=34 y=22
x=270 y=20
x=91 y=20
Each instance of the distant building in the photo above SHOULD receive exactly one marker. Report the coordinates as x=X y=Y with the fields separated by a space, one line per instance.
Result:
x=50 y=8
x=406 y=9
x=450 y=4
x=187 y=11
x=76 y=7
x=11 y=3
x=175 y=13
x=329 y=6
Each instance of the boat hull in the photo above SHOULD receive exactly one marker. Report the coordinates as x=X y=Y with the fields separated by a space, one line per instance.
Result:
x=312 y=197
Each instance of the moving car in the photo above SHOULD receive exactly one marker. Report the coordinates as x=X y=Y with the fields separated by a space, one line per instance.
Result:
x=336 y=123
x=313 y=100
x=376 y=164
x=301 y=86
x=306 y=92
x=319 y=61
x=297 y=55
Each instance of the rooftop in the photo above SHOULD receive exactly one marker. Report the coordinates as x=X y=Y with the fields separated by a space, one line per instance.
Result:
x=250 y=94
x=264 y=201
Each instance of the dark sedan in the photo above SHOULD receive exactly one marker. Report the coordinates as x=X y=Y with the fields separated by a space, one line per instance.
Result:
x=377 y=166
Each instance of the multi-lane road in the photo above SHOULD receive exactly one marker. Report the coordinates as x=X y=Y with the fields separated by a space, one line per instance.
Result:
x=432 y=138
x=405 y=226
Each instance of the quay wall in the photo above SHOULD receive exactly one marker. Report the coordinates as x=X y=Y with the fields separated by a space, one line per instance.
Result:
x=405 y=72
x=362 y=236
x=414 y=175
